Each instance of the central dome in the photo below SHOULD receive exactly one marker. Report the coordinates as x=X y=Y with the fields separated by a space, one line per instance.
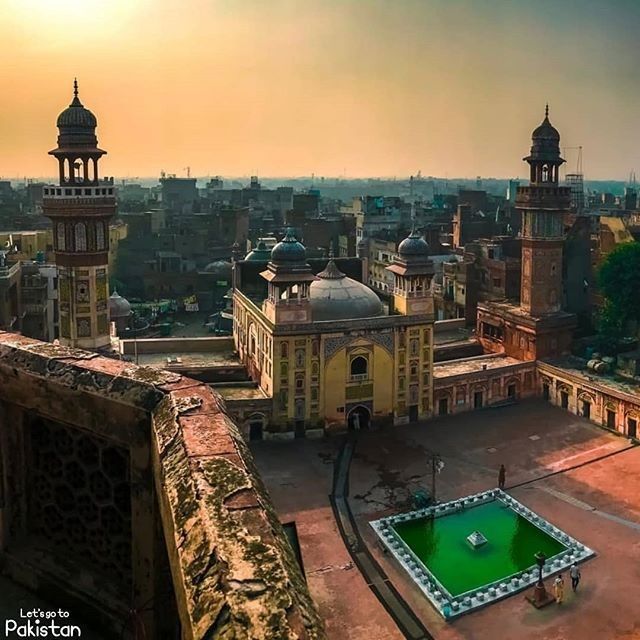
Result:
x=288 y=250
x=334 y=296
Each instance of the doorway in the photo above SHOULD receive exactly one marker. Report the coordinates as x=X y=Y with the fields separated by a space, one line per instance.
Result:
x=413 y=413
x=586 y=409
x=255 y=430
x=545 y=392
x=359 y=418
x=511 y=392
x=564 y=399
x=477 y=400
x=611 y=419
x=443 y=407
x=632 y=427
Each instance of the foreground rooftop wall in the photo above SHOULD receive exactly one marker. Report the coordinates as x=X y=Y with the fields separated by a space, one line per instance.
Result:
x=159 y=515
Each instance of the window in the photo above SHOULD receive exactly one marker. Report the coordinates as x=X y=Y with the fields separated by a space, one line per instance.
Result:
x=299 y=382
x=415 y=346
x=300 y=358
x=284 y=350
x=359 y=367
x=61 y=236
x=99 y=236
x=81 y=236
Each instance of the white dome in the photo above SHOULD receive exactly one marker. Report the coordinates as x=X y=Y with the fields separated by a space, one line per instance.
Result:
x=334 y=296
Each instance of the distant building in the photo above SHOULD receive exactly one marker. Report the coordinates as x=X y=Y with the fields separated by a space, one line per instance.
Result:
x=178 y=195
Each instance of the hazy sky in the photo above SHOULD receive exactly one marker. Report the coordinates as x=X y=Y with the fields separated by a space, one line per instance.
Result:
x=291 y=87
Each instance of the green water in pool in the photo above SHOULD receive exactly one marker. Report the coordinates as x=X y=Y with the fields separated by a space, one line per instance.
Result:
x=441 y=544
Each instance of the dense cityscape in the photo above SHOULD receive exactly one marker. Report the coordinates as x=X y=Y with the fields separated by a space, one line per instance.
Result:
x=319 y=406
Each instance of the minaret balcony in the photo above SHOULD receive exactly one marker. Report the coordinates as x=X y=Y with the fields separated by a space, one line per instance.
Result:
x=104 y=189
x=543 y=197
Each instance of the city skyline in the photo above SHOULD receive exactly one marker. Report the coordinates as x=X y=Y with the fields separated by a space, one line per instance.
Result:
x=346 y=88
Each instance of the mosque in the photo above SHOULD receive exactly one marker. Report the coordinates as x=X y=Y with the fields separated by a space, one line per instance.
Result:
x=323 y=346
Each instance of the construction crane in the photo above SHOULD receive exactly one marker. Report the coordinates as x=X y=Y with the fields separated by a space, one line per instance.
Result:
x=579 y=161
x=576 y=182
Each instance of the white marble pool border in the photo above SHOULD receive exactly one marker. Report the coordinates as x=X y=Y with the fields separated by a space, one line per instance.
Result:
x=439 y=597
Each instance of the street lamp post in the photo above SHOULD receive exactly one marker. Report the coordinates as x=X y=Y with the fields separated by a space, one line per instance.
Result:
x=540 y=596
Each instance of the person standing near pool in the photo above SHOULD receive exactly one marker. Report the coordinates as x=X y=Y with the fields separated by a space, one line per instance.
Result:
x=502 y=476
x=574 y=572
x=558 y=588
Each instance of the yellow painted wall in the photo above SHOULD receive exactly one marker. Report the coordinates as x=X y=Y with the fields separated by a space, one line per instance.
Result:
x=326 y=386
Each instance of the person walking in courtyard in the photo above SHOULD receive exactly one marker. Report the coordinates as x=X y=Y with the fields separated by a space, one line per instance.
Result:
x=574 y=572
x=502 y=476
x=558 y=588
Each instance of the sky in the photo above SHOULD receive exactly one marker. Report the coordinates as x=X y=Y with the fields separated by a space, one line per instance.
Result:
x=359 y=88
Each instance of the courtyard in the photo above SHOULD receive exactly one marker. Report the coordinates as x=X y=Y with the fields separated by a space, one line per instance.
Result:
x=577 y=476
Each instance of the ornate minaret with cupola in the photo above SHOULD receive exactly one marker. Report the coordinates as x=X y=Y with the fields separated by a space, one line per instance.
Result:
x=536 y=326
x=542 y=204
x=80 y=207
x=412 y=274
x=289 y=277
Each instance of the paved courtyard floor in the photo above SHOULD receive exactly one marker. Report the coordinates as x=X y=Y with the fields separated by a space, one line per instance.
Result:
x=581 y=478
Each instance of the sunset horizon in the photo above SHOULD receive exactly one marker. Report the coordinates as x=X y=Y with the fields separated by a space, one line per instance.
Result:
x=342 y=89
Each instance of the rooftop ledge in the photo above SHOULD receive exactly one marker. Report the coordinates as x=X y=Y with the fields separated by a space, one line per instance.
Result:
x=233 y=571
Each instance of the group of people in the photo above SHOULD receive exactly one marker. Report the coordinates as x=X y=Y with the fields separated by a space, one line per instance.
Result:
x=558 y=583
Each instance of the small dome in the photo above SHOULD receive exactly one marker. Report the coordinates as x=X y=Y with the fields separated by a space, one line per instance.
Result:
x=260 y=254
x=221 y=268
x=76 y=115
x=545 y=131
x=545 y=141
x=334 y=296
x=119 y=307
x=288 y=249
x=414 y=246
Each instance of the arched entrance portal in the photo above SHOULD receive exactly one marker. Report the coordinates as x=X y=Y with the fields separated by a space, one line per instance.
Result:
x=359 y=418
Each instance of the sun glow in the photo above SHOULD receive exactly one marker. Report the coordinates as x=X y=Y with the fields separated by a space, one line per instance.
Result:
x=72 y=14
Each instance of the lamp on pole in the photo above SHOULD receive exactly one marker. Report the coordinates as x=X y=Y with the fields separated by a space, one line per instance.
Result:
x=540 y=596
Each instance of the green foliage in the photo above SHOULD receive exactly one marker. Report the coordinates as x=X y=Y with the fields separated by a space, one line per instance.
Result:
x=619 y=282
x=610 y=329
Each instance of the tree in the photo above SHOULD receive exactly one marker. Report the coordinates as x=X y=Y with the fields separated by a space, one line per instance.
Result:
x=619 y=282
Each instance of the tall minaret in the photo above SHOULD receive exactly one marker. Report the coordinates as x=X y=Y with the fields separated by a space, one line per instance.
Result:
x=543 y=204
x=80 y=207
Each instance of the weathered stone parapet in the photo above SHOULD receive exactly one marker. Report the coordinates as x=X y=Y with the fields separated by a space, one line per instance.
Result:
x=233 y=572
x=236 y=573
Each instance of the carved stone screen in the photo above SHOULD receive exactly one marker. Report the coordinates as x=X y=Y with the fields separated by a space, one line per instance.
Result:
x=80 y=501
